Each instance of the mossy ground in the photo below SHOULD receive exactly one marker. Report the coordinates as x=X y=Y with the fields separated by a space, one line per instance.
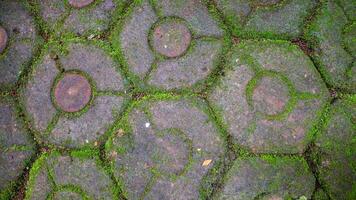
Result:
x=138 y=92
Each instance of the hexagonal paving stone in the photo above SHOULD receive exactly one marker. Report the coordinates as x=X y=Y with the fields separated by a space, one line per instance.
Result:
x=18 y=40
x=78 y=175
x=16 y=148
x=79 y=17
x=337 y=160
x=64 y=105
x=172 y=45
x=267 y=18
x=270 y=97
x=268 y=178
x=166 y=150
x=333 y=38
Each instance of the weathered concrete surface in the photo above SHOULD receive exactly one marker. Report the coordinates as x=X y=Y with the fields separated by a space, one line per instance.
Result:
x=170 y=147
x=16 y=148
x=262 y=97
x=336 y=145
x=268 y=177
x=48 y=105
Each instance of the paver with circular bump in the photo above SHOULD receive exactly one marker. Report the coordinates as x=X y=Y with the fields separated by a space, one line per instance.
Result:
x=18 y=40
x=88 y=18
x=332 y=53
x=336 y=146
x=78 y=175
x=268 y=178
x=186 y=36
x=80 y=3
x=3 y=39
x=16 y=148
x=171 y=39
x=283 y=19
x=90 y=86
x=270 y=97
x=169 y=147
x=72 y=92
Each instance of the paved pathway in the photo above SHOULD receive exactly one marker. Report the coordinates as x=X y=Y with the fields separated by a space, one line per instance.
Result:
x=188 y=99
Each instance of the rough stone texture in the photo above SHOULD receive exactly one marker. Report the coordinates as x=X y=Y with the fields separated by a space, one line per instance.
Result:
x=174 y=73
x=349 y=7
x=16 y=147
x=189 y=69
x=195 y=13
x=3 y=39
x=95 y=62
x=52 y=11
x=74 y=132
x=281 y=132
x=134 y=39
x=334 y=59
x=270 y=96
x=162 y=156
x=56 y=172
x=267 y=17
x=349 y=37
x=91 y=19
x=37 y=94
x=270 y=178
x=80 y=3
x=171 y=39
x=88 y=127
x=285 y=19
x=64 y=195
x=337 y=151
x=22 y=40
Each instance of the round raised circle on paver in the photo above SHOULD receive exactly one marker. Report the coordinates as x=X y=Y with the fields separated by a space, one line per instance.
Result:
x=3 y=39
x=168 y=149
x=80 y=3
x=167 y=57
x=270 y=96
x=171 y=38
x=72 y=92
x=52 y=97
x=173 y=153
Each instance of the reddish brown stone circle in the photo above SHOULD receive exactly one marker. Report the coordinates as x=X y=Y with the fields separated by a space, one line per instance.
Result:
x=80 y=3
x=270 y=96
x=171 y=38
x=72 y=92
x=3 y=39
